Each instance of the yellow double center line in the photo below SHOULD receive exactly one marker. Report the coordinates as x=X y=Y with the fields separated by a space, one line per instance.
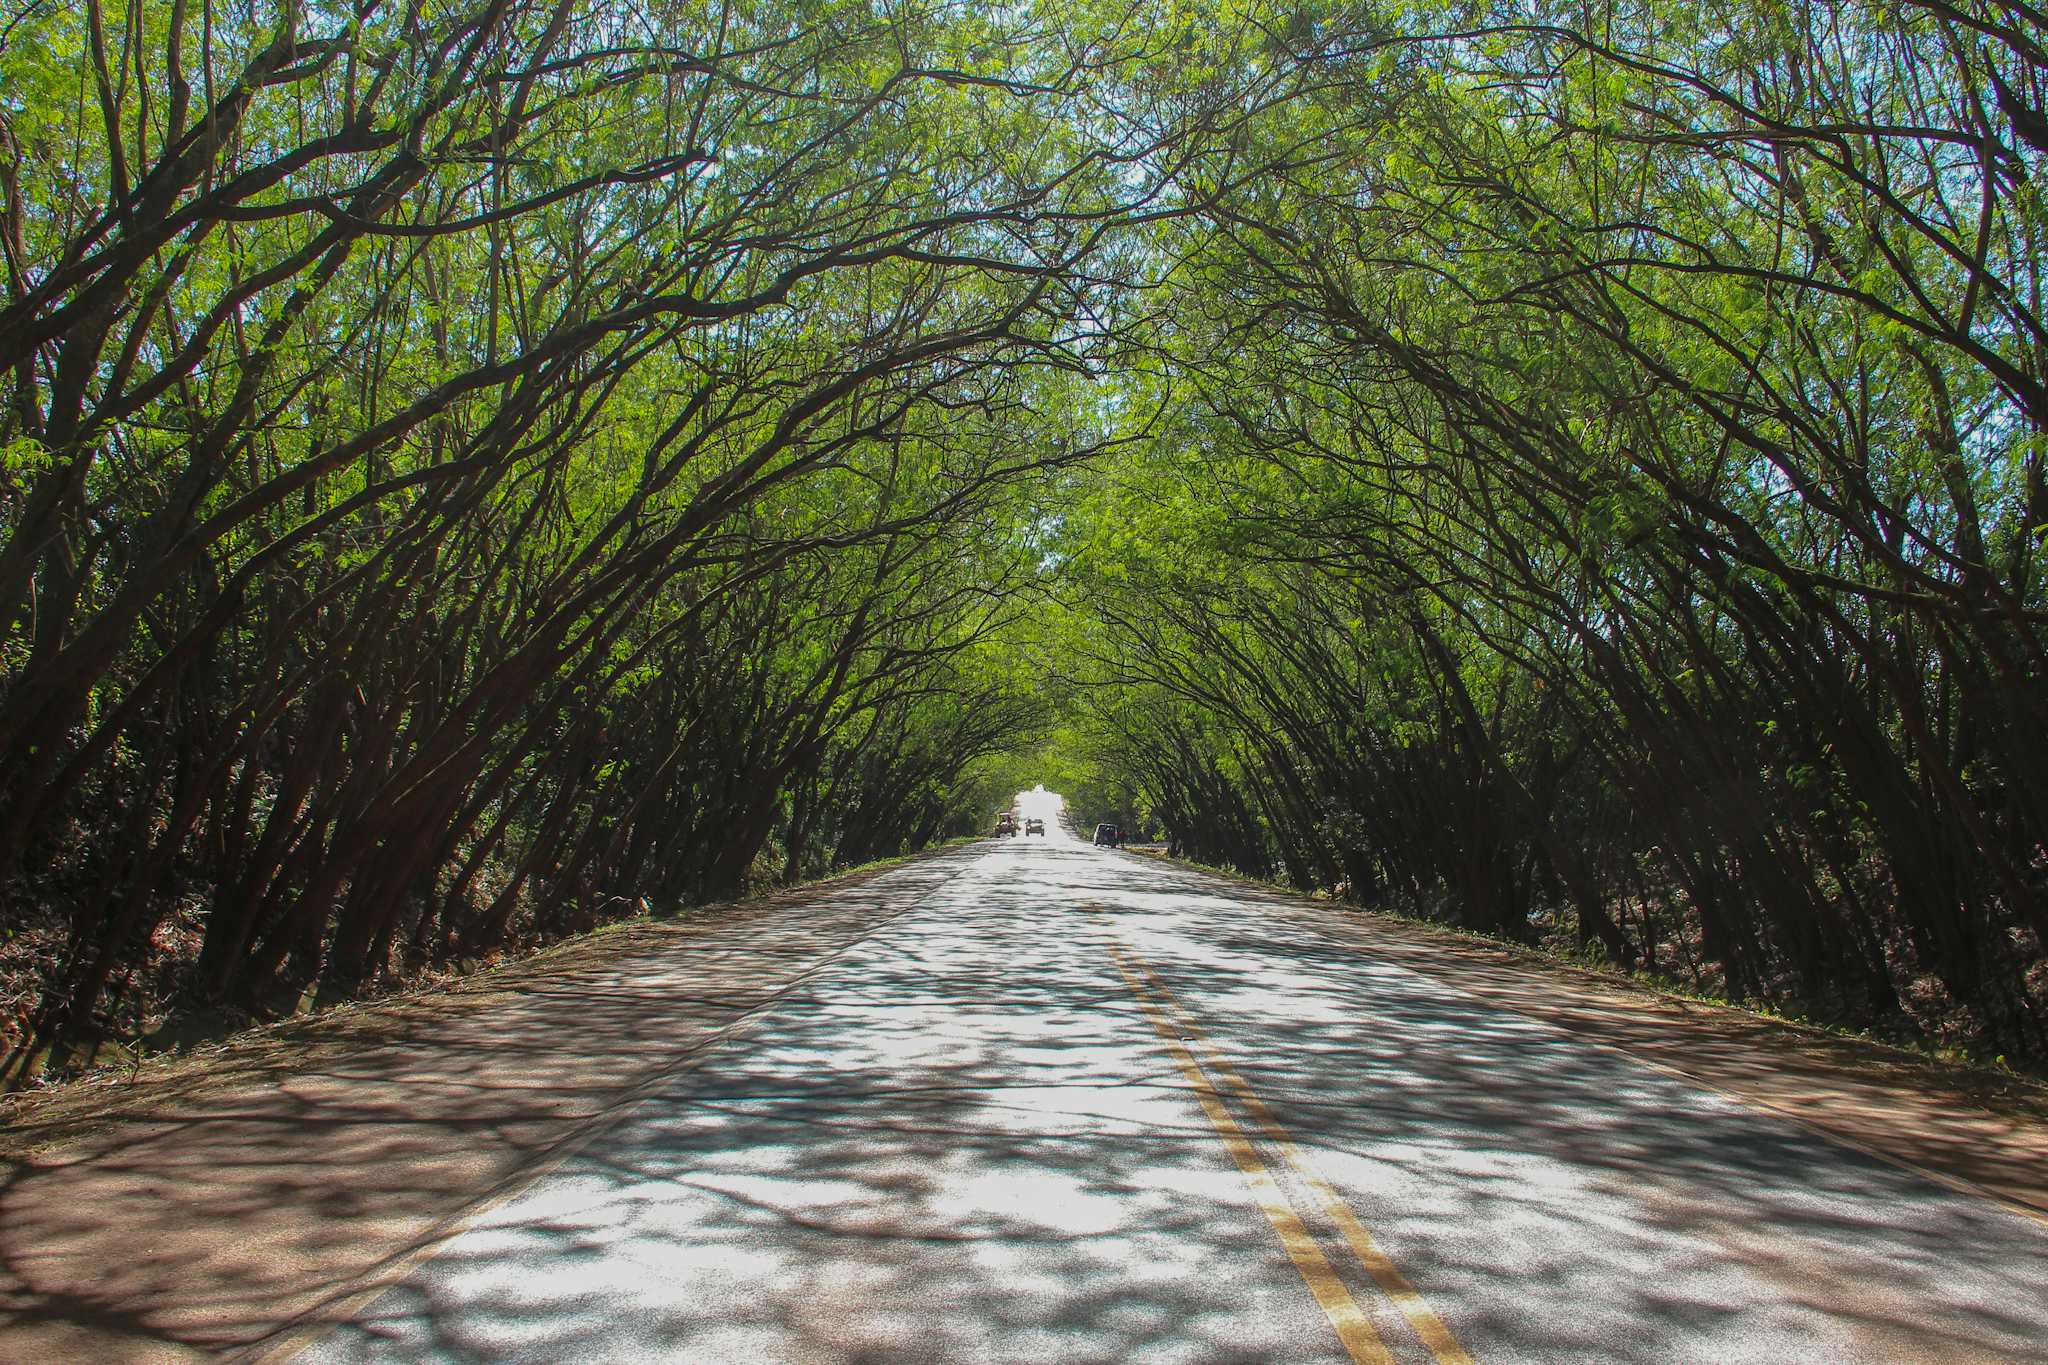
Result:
x=1178 y=1029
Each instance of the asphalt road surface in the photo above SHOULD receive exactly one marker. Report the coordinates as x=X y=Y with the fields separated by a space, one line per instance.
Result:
x=1065 y=1104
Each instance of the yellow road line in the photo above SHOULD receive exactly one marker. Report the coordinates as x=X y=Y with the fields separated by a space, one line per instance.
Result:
x=1353 y=1328
x=1404 y=1296
x=1727 y=1090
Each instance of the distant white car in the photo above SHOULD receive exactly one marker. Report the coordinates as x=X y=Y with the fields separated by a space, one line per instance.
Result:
x=1034 y=825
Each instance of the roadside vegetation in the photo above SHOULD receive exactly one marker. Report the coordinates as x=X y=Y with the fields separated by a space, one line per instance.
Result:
x=474 y=468
x=1604 y=500
x=473 y=471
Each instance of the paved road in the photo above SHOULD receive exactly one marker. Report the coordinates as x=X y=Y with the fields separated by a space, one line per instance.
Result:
x=1069 y=1104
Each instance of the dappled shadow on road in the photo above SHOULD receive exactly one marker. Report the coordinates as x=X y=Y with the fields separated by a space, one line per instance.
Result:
x=962 y=1144
x=1569 y=1203
x=961 y=1139
x=1984 y=1127
x=209 y=1219
x=965 y=1144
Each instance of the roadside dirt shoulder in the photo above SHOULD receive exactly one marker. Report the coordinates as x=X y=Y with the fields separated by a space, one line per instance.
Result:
x=1979 y=1130
x=213 y=1203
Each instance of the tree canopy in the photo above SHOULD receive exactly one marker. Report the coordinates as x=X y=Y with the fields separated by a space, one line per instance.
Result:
x=471 y=470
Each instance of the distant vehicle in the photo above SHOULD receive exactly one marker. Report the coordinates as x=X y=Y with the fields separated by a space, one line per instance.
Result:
x=1106 y=836
x=1006 y=824
x=1034 y=825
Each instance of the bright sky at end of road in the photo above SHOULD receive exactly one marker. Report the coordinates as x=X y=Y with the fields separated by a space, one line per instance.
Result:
x=1040 y=804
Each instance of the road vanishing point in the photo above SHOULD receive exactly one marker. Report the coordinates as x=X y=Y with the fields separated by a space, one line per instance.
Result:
x=1027 y=1100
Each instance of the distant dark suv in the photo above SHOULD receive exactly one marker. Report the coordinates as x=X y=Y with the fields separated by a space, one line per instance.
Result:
x=1107 y=836
x=1034 y=825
